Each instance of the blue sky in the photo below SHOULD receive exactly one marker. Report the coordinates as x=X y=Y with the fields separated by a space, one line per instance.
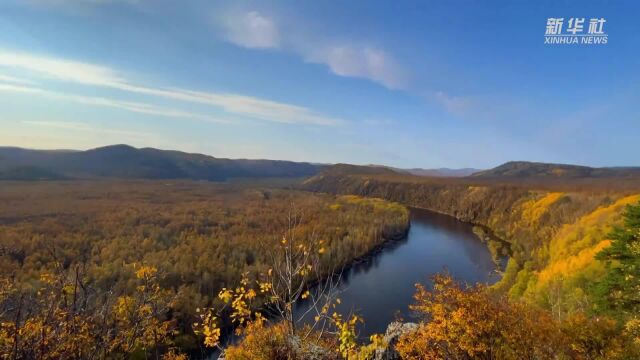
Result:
x=409 y=84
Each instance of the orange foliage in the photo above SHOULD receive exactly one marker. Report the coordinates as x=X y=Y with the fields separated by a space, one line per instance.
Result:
x=469 y=323
x=263 y=342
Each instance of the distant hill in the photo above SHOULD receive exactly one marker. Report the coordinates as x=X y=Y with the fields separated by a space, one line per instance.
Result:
x=348 y=169
x=439 y=172
x=123 y=161
x=442 y=172
x=525 y=169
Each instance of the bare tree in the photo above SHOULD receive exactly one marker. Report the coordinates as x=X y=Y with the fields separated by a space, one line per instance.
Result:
x=297 y=279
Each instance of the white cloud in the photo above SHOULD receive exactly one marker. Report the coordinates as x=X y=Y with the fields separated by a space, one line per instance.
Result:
x=361 y=62
x=61 y=69
x=100 y=101
x=244 y=105
x=251 y=30
x=89 y=74
x=14 y=80
x=254 y=30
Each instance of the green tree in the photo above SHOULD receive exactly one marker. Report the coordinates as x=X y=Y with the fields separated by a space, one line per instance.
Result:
x=619 y=292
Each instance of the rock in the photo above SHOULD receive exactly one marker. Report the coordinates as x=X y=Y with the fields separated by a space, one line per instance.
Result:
x=391 y=336
x=308 y=351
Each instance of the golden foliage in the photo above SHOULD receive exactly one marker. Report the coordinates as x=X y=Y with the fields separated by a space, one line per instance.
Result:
x=60 y=320
x=208 y=327
x=346 y=332
x=562 y=281
x=597 y=338
x=570 y=265
x=534 y=209
x=263 y=342
x=200 y=236
x=588 y=230
x=470 y=323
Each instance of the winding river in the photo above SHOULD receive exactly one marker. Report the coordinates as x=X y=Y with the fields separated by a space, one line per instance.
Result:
x=382 y=288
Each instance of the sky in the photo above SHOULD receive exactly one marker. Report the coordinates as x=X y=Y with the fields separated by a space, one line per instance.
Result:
x=402 y=83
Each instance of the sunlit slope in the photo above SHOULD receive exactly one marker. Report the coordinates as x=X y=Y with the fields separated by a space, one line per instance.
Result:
x=553 y=231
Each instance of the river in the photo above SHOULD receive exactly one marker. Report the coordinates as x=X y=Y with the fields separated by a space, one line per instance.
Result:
x=382 y=288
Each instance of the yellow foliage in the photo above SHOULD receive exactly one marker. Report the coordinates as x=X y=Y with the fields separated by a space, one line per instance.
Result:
x=225 y=295
x=571 y=265
x=347 y=336
x=173 y=355
x=53 y=326
x=632 y=328
x=469 y=323
x=208 y=327
x=146 y=272
x=588 y=230
x=571 y=255
x=533 y=210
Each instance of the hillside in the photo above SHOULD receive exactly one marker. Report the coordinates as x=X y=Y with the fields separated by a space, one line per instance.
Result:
x=553 y=229
x=525 y=169
x=123 y=161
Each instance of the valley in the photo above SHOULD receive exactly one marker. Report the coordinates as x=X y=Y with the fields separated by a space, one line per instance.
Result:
x=373 y=233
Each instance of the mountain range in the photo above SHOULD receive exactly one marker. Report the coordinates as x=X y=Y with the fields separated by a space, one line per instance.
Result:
x=525 y=169
x=123 y=161
x=127 y=162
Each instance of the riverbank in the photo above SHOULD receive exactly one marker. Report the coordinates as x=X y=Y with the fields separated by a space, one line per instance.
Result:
x=553 y=232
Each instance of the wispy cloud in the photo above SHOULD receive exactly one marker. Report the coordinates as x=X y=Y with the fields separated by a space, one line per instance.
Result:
x=456 y=105
x=70 y=3
x=254 y=30
x=251 y=30
x=100 y=101
x=486 y=107
x=84 y=127
x=378 y=122
x=94 y=75
x=14 y=80
x=244 y=105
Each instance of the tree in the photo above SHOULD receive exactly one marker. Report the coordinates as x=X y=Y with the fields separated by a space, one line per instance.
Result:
x=295 y=267
x=64 y=317
x=619 y=292
x=470 y=323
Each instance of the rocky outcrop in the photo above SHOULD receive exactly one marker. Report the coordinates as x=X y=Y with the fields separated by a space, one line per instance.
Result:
x=302 y=350
x=394 y=331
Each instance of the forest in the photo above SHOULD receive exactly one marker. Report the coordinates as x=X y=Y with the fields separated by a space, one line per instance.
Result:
x=126 y=251
x=142 y=269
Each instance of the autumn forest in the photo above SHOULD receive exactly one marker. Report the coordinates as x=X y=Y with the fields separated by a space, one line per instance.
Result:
x=106 y=268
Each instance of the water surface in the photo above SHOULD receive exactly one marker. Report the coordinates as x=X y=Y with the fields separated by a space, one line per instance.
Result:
x=383 y=287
